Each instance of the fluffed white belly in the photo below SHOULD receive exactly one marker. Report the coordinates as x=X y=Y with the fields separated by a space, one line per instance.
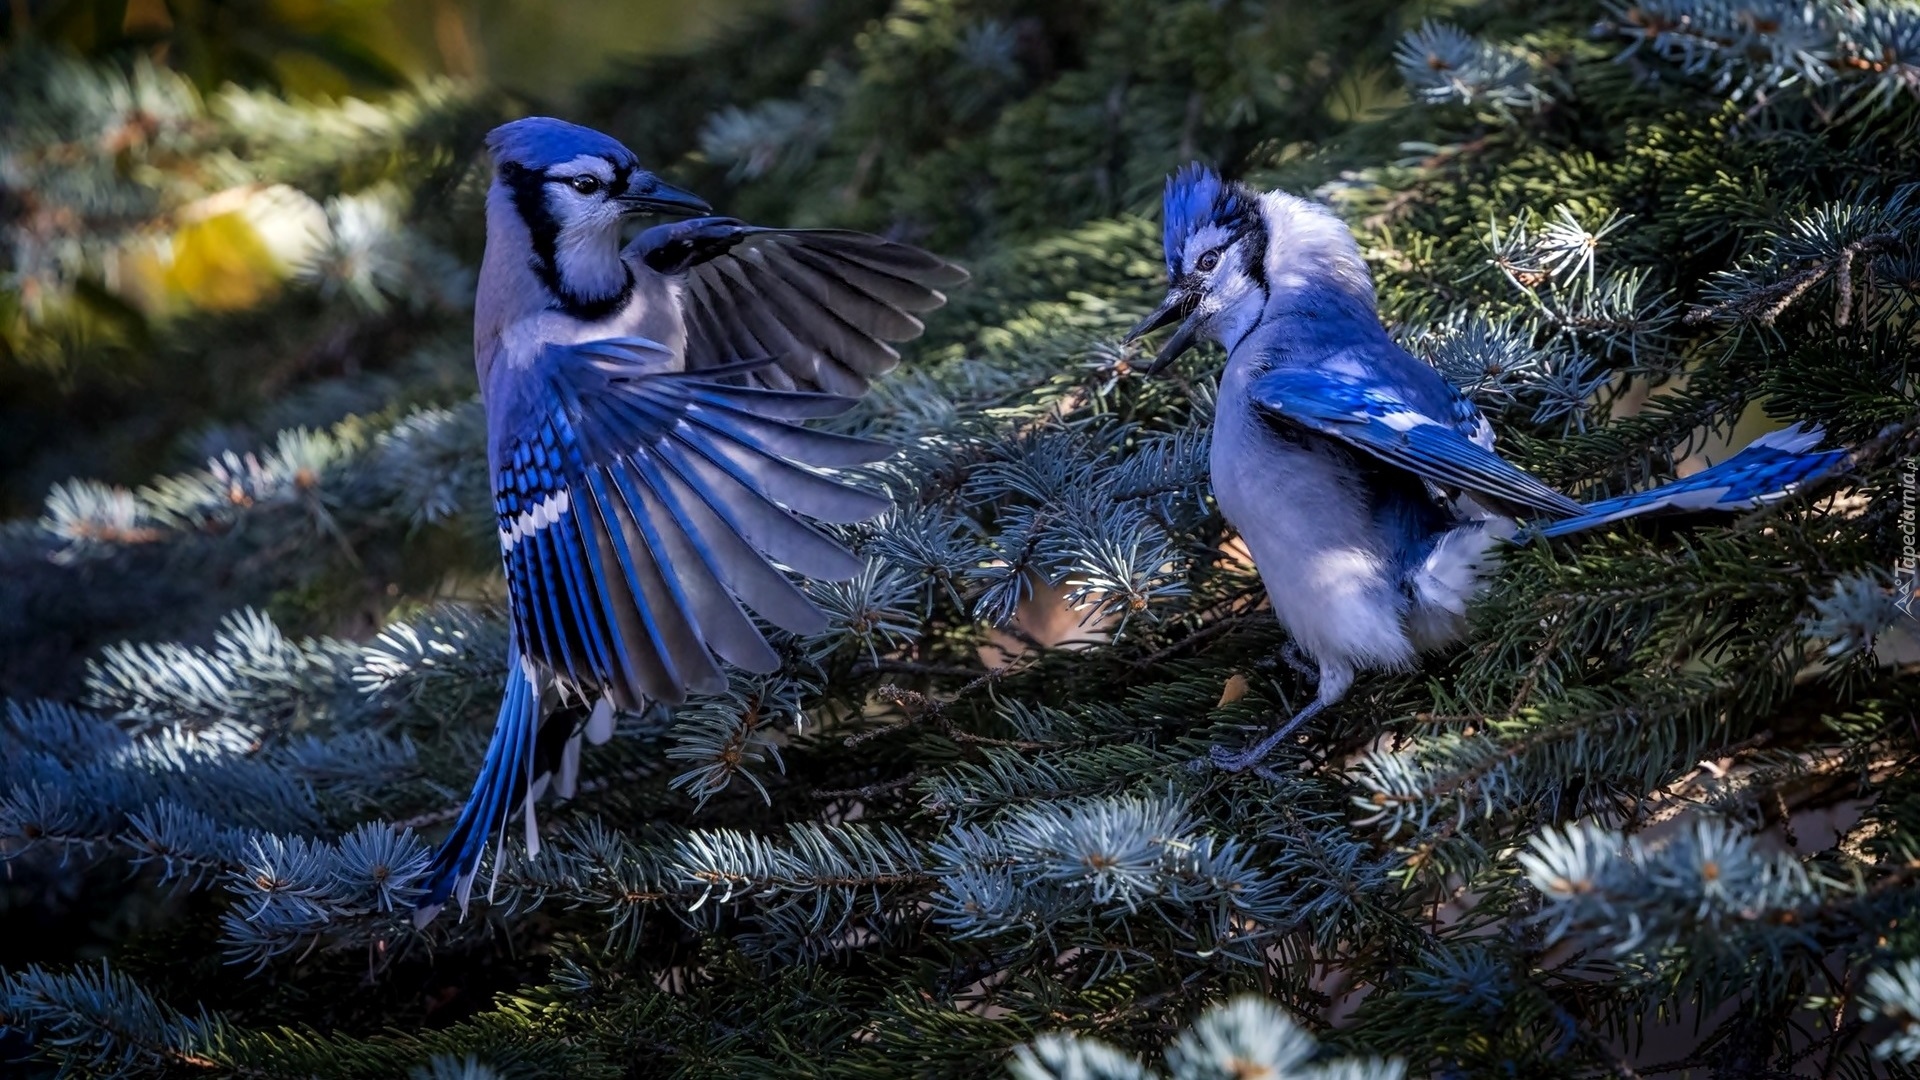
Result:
x=1308 y=524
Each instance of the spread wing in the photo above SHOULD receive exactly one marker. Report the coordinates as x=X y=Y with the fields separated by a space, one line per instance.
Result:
x=1446 y=451
x=823 y=303
x=640 y=508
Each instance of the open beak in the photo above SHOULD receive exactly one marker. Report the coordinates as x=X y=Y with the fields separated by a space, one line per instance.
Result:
x=652 y=195
x=1177 y=306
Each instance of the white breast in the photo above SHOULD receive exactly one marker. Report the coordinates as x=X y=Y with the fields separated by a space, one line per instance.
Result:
x=1306 y=521
x=653 y=313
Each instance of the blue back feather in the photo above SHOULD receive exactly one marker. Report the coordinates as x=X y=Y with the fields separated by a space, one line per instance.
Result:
x=1197 y=196
x=540 y=142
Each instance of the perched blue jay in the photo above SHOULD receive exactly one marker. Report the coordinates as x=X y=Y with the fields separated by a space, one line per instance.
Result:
x=648 y=476
x=1364 y=485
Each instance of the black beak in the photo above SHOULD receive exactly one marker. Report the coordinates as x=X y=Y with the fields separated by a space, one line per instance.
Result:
x=1178 y=305
x=652 y=195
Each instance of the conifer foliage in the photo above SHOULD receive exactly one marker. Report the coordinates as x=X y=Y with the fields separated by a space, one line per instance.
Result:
x=1657 y=815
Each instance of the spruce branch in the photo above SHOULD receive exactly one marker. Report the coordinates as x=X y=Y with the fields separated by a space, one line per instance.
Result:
x=1245 y=1037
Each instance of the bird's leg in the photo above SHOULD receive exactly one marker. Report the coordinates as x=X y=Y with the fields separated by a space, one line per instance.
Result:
x=1228 y=761
x=1334 y=681
x=1292 y=655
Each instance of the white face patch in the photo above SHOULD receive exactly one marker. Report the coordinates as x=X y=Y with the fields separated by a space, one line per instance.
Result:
x=1230 y=298
x=587 y=246
x=1308 y=247
x=571 y=207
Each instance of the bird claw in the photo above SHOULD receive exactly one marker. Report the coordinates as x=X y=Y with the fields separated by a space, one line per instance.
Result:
x=1235 y=762
x=1227 y=761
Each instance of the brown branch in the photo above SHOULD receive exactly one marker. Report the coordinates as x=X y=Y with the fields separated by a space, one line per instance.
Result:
x=1769 y=302
x=920 y=708
x=882 y=787
x=1210 y=630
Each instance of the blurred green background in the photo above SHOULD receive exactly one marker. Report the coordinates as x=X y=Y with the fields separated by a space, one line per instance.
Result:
x=537 y=49
x=116 y=242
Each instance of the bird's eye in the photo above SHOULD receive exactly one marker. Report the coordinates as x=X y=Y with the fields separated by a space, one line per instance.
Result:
x=1208 y=261
x=586 y=185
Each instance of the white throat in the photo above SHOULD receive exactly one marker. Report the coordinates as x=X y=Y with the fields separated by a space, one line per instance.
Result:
x=1238 y=317
x=587 y=255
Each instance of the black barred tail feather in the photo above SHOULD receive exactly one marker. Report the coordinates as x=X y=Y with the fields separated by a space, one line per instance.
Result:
x=1768 y=469
x=505 y=777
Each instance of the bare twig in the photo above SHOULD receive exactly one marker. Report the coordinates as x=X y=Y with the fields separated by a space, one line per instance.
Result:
x=920 y=708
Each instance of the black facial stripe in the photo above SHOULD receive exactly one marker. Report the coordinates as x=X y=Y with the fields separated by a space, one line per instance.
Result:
x=530 y=200
x=1240 y=227
x=1255 y=230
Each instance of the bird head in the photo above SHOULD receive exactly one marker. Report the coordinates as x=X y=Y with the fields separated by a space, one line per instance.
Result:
x=1216 y=246
x=572 y=187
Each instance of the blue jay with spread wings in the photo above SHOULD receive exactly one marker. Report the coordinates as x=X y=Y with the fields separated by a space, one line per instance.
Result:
x=650 y=474
x=1365 y=486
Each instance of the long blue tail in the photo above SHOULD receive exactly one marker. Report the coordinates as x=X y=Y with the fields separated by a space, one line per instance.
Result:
x=505 y=777
x=1772 y=467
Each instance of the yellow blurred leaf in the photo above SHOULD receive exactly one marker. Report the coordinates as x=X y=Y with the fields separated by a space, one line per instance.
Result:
x=221 y=264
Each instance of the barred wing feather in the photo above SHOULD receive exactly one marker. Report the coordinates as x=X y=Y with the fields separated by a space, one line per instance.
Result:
x=823 y=303
x=643 y=510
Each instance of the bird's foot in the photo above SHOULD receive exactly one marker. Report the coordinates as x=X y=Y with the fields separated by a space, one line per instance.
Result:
x=1240 y=761
x=1228 y=761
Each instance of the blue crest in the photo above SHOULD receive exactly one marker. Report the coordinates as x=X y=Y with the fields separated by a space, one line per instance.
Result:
x=541 y=142
x=1196 y=196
